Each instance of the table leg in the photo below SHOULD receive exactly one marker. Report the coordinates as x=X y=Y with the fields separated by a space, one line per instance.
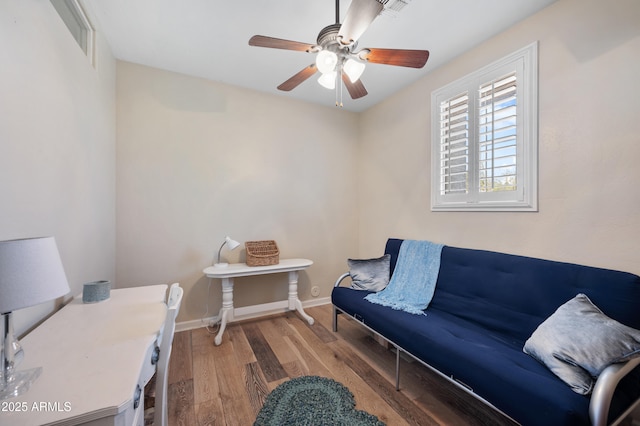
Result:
x=294 y=301
x=226 y=312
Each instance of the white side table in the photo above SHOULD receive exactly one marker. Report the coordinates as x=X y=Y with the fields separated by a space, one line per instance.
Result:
x=227 y=274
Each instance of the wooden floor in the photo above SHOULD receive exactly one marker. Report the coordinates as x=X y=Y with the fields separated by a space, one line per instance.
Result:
x=227 y=384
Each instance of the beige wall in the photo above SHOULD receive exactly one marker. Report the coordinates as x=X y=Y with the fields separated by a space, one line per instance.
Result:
x=589 y=146
x=57 y=144
x=198 y=160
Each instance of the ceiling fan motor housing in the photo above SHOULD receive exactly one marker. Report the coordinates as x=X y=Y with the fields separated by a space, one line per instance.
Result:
x=328 y=39
x=329 y=35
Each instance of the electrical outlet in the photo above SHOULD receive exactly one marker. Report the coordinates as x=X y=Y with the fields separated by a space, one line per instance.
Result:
x=315 y=291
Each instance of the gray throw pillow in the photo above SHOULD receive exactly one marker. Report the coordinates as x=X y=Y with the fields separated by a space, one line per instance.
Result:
x=578 y=341
x=370 y=274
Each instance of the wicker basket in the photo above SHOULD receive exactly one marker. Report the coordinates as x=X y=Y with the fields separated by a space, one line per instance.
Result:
x=262 y=253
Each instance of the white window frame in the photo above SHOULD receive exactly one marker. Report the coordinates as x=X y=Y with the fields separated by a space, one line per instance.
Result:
x=525 y=64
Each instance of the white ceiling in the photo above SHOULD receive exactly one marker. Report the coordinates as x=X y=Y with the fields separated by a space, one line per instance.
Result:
x=209 y=38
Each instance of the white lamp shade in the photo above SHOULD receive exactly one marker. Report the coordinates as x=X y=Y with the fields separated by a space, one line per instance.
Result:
x=232 y=244
x=328 y=80
x=31 y=273
x=326 y=61
x=353 y=69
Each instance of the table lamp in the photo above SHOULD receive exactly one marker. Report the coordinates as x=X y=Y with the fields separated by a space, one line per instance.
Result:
x=31 y=273
x=232 y=244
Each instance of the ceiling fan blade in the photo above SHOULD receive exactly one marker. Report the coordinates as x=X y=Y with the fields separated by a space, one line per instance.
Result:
x=356 y=90
x=294 y=81
x=398 y=57
x=278 y=43
x=360 y=15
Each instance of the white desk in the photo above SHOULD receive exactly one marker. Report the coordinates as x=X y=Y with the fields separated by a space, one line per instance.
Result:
x=227 y=274
x=93 y=358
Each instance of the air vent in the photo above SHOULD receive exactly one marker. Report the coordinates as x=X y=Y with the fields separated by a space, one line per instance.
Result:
x=76 y=20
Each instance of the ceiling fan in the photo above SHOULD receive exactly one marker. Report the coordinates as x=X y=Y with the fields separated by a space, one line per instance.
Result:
x=336 y=50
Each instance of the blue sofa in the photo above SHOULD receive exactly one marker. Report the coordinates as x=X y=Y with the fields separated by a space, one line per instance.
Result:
x=485 y=307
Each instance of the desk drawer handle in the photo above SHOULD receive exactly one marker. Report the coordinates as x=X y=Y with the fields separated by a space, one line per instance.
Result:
x=155 y=356
x=136 y=397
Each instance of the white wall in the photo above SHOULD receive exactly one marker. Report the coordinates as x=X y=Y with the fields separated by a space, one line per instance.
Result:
x=589 y=201
x=57 y=144
x=199 y=160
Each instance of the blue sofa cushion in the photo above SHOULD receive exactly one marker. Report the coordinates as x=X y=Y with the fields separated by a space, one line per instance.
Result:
x=512 y=295
x=578 y=341
x=496 y=370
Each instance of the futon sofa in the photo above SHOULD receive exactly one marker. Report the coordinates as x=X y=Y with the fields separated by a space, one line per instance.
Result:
x=486 y=307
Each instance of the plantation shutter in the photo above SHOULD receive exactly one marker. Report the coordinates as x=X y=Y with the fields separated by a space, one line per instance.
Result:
x=497 y=142
x=484 y=138
x=454 y=144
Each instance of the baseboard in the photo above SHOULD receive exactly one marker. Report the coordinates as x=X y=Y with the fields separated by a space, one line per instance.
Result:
x=250 y=312
x=192 y=325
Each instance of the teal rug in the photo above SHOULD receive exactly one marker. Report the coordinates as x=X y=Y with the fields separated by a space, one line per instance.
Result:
x=313 y=401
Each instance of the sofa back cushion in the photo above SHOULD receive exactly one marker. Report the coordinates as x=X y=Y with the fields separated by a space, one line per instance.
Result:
x=511 y=295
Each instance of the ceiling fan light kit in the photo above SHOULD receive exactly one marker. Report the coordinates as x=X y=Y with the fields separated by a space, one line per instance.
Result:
x=335 y=50
x=353 y=69
x=326 y=61
x=328 y=80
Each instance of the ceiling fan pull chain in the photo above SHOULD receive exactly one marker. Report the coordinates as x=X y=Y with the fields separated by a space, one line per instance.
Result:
x=340 y=84
x=336 y=90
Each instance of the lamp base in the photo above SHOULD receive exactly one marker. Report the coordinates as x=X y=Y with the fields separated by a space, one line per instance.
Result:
x=19 y=382
x=221 y=265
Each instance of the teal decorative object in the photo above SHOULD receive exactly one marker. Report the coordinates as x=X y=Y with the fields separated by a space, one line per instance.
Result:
x=96 y=291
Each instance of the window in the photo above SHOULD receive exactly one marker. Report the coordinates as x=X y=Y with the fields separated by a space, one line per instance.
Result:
x=75 y=18
x=485 y=138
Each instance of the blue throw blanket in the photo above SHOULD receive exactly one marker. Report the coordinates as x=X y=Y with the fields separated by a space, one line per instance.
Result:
x=414 y=279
